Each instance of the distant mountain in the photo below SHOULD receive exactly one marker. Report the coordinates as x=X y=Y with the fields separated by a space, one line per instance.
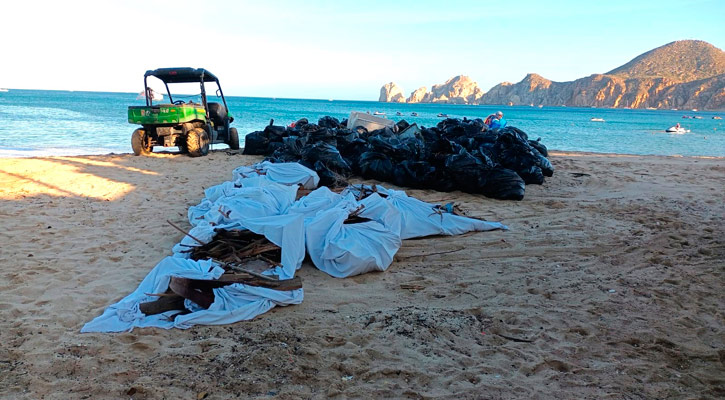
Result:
x=682 y=61
x=682 y=74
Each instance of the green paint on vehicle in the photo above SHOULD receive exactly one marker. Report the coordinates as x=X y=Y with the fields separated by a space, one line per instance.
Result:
x=165 y=114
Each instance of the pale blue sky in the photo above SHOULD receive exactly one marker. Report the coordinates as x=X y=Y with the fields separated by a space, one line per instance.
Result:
x=337 y=49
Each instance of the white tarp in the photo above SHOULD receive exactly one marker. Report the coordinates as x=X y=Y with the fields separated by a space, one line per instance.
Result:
x=284 y=173
x=243 y=202
x=343 y=250
x=231 y=304
x=262 y=199
x=420 y=219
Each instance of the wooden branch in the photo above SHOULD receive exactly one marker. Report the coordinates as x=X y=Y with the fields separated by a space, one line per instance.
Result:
x=429 y=254
x=515 y=339
x=184 y=232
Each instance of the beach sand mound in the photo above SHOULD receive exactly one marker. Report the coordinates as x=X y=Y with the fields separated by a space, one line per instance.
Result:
x=607 y=285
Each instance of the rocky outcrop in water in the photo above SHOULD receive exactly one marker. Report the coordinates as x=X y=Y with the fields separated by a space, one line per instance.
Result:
x=418 y=96
x=391 y=93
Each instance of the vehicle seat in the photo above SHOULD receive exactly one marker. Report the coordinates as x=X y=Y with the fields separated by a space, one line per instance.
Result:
x=217 y=113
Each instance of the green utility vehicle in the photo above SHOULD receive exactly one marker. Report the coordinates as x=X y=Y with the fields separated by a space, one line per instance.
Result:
x=190 y=125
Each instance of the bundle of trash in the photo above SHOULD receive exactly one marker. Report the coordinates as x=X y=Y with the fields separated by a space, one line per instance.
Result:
x=454 y=155
x=250 y=235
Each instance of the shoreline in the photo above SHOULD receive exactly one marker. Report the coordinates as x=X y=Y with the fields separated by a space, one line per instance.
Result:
x=605 y=285
x=238 y=152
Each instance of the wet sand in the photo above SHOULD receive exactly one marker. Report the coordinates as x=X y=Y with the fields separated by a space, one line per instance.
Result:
x=609 y=284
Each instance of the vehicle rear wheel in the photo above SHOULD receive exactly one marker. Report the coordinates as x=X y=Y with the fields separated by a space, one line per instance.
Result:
x=140 y=142
x=233 y=139
x=197 y=142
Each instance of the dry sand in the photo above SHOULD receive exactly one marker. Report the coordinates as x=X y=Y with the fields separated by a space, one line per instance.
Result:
x=608 y=285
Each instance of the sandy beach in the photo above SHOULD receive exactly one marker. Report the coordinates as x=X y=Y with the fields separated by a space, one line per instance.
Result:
x=609 y=284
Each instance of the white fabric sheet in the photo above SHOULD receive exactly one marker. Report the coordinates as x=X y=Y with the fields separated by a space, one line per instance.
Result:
x=284 y=173
x=232 y=303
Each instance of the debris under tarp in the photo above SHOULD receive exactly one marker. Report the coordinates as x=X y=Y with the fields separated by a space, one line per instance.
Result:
x=234 y=264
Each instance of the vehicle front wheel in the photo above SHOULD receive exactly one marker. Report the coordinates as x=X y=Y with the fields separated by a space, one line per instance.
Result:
x=197 y=142
x=233 y=139
x=140 y=143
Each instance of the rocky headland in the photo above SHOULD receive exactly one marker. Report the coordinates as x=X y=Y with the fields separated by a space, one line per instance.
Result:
x=682 y=74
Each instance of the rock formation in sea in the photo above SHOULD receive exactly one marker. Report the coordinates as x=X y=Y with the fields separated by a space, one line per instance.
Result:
x=684 y=74
x=418 y=95
x=391 y=93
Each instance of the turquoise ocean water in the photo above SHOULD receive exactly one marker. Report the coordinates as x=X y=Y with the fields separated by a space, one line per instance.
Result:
x=46 y=123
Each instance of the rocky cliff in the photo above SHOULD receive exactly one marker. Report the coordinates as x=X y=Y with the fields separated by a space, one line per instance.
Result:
x=682 y=74
x=391 y=93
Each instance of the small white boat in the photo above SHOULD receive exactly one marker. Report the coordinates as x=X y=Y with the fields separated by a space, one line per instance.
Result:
x=398 y=113
x=441 y=115
x=415 y=114
x=3 y=90
x=675 y=129
x=378 y=113
x=597 y=119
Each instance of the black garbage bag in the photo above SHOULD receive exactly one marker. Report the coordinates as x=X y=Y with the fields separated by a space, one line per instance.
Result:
x=513 y=151
x=327 y=176
x=275 y=133
x=415 y=174
x=352 y=153
x=448 y=123
x=256 y=143
x=482 y=153
x=305 y=128
x=384 y=132
x=440 y=179
x=398 y=149
x=362 y=132
x=329 y=122
x=328 y=155
x=532 y=175
x=344 y=137
x=542 y=162
x=322 y=135
x=290 y=151
x=518 y=131
x=466 y=171
x=375 y=165
x=503 y=184
x=539 y=146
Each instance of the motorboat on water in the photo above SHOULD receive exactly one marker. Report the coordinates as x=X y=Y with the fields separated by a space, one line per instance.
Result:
x=597 y=119
x=378 y=113
x=415 y=114
x=441 y=115
x=398 y=113
x=3 y=90
x=676 y=129
x=716 y=117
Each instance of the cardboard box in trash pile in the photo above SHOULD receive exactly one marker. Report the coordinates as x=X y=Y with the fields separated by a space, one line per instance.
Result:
x=367 y=121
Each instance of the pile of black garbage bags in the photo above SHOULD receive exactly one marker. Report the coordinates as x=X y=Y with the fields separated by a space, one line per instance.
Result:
x=454 y=155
